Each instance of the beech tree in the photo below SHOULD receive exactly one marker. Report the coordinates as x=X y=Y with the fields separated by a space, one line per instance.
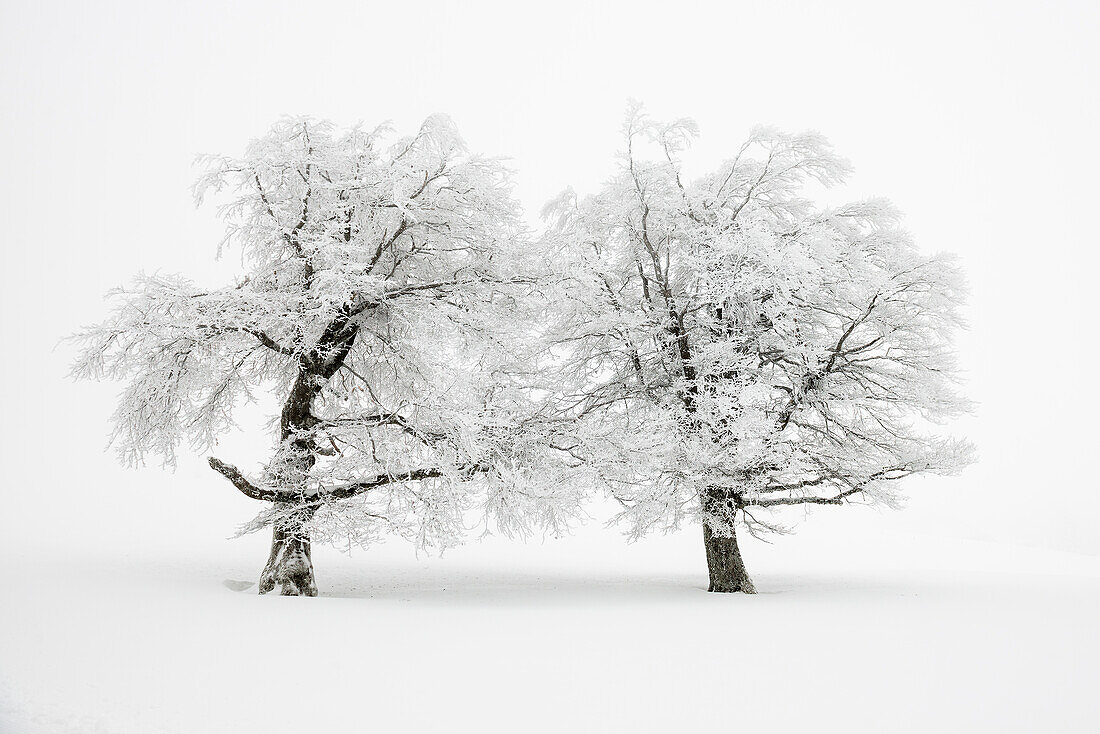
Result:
x=734 y=348
x=383 y=280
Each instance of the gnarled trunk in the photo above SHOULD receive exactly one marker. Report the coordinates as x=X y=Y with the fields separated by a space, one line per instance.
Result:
x=290 y=565
x=727 y=569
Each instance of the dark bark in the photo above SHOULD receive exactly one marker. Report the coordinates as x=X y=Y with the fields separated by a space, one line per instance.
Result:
x=290 y=564
x=727 y=569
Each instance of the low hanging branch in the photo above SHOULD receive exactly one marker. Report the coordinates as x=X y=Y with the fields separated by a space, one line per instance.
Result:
x=889 y=473
x=837 y=499
x=332 y=494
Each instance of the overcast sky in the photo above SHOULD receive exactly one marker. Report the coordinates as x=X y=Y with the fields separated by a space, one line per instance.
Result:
x=979 y=120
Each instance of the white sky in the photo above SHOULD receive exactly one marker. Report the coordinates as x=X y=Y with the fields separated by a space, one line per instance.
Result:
x=979 y=120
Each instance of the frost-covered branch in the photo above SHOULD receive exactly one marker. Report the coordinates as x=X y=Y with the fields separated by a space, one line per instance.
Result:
x=327 y=494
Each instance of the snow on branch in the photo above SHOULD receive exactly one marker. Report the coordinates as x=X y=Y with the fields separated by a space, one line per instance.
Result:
x=327 y=494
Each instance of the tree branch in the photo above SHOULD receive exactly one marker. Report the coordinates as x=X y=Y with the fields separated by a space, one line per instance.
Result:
x=262 y=337
x=268 y=342
x=889 y=473
x=814 y=378
x=342 y=492
x=239 y=481
x=442 y=285
x=835 y=500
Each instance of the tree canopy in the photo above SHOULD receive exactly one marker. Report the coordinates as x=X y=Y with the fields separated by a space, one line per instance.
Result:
x=383 y=280
x=733 y=345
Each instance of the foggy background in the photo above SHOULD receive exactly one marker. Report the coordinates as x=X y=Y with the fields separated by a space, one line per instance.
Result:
x=979 y=120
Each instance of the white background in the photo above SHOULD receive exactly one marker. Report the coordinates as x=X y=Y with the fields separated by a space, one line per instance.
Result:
x=980 y=121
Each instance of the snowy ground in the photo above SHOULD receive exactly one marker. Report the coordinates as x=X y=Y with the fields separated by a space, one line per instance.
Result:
x=859 y=627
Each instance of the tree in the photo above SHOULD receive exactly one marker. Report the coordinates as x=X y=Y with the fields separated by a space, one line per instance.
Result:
x=383 y=281
x=735 y=347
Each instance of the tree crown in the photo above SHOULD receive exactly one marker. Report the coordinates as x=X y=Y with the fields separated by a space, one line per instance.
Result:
x=751 y=348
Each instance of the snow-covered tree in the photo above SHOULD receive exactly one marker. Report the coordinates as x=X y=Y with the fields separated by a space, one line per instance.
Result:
x=733 y=346
x=384 y=278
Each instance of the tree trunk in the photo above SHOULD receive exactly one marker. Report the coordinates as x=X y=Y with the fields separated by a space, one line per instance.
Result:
x=290 y=564
x=727 y=569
